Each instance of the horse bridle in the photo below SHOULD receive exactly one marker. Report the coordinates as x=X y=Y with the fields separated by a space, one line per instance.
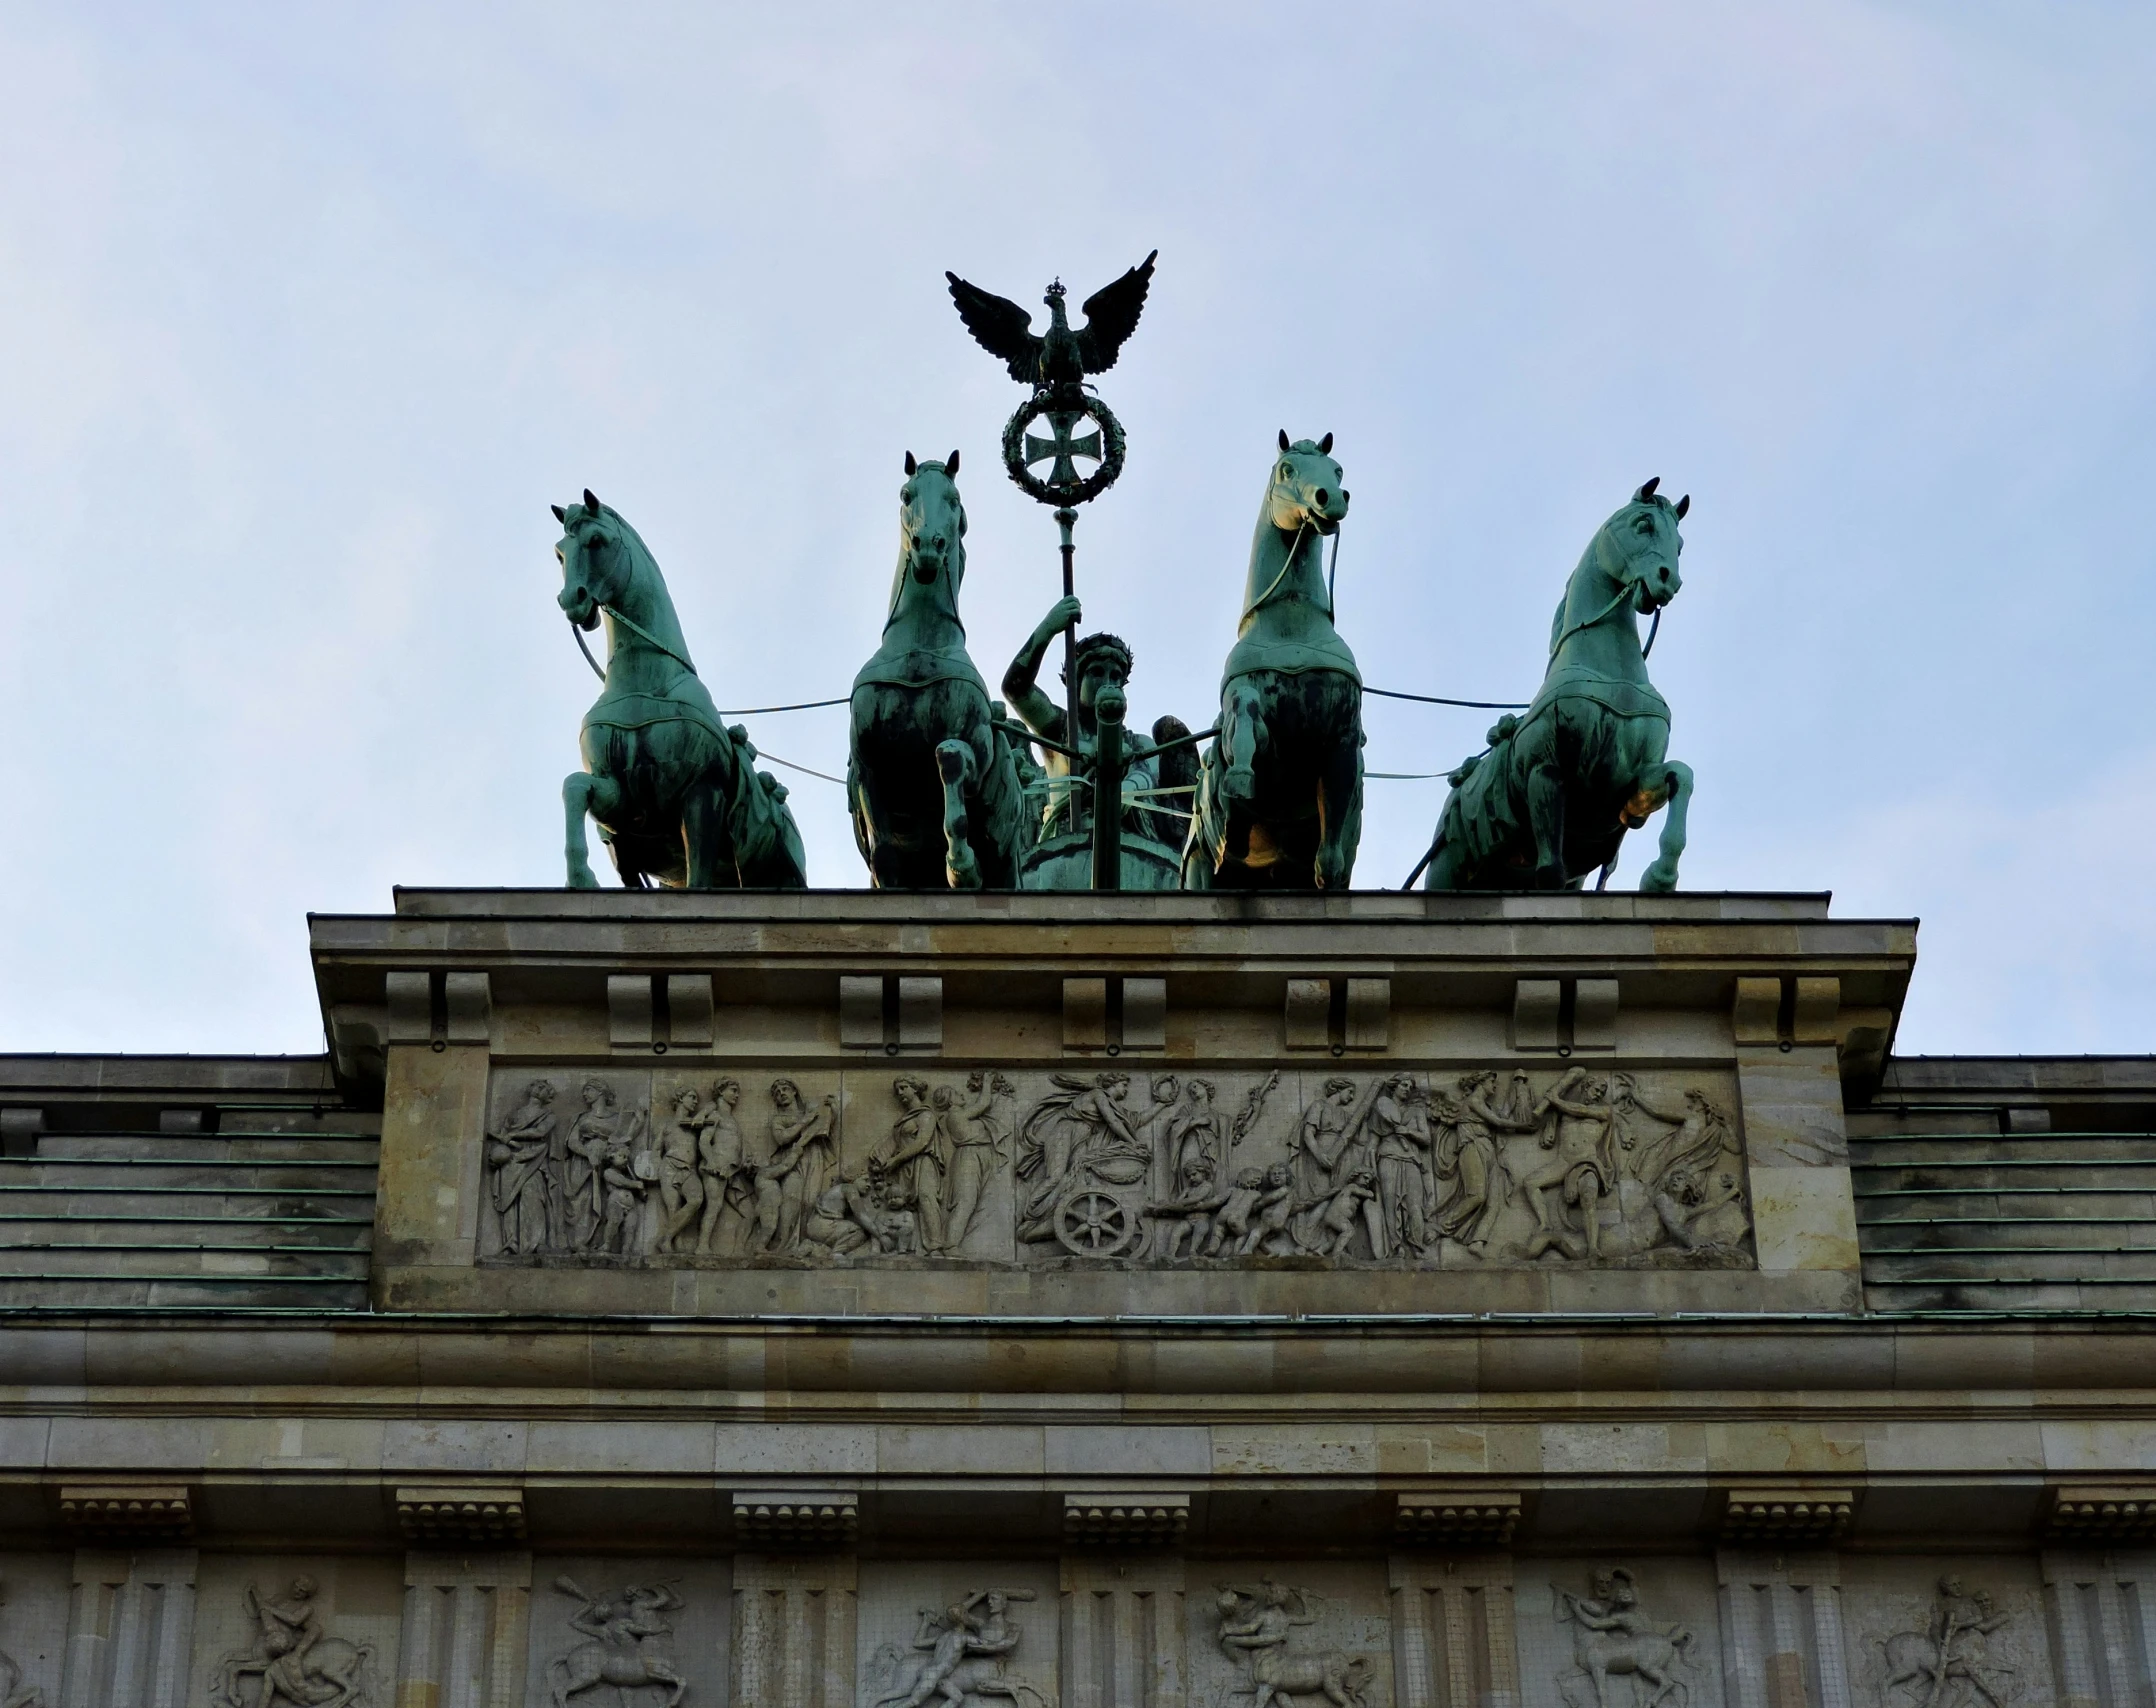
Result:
x=635 y=628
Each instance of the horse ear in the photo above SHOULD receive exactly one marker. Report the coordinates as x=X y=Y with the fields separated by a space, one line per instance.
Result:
x=911 y=465
x=560 y=515
x=950 y=466
x=590 y=503
x=1283 y=438
x=1646 y=492
x=1326 y=444
x=1683 y=504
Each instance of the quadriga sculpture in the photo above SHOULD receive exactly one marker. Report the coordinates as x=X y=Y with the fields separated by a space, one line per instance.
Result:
x=1588 y=760
x=675 y=792
x=935 y=792
x=1280 y=793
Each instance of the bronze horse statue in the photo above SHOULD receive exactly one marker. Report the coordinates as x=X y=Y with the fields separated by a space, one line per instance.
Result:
x=1589 y=759
x=932 y=783
x=674 y=791
x=1279 y=803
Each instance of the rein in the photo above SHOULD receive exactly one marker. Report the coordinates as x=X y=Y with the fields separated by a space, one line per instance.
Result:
x=635 y=628
x=1258 y=604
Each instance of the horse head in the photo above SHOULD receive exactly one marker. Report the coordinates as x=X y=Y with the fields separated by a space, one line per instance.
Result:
x=596 y=564
x=1306 y=490
x=1638 y=548
x=932 y=522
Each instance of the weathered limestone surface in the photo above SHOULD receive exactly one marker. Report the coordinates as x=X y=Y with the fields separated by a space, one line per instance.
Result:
x=648 y=1409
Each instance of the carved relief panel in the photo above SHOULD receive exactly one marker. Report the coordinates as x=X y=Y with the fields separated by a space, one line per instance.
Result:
x=290 y=1631
x=1619 y=1632
x=615 y=1628
x=1946 y=1633
x=1457 y=1168
x=1297 y=1632
x=958 y=1634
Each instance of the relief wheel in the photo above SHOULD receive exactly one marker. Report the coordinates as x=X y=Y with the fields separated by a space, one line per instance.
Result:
x=1094 y=1223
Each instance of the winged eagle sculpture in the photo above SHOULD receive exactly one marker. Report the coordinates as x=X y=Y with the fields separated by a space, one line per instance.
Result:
x=1059 y=359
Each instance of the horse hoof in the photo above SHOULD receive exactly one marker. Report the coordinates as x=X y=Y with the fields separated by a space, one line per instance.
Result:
x=582 y=878
x=1659 y=878
x=1238 y=783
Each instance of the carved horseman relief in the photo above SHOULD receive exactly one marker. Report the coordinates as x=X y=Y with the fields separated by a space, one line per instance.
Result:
x=961 y=1656
x=1457 y=1167
x=292 y=1661
x=1263 y=1630
x=1621 y=1658
x=1967 y=1654
x=628 y=1648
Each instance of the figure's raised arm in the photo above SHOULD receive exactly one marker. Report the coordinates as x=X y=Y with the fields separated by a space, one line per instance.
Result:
x=1021 y=683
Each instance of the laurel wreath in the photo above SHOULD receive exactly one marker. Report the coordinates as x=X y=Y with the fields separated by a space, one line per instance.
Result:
x=1067 y=492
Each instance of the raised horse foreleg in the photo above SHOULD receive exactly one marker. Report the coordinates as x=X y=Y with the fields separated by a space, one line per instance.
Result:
x=960 y=770
x=1675 y=790
x=583 y=793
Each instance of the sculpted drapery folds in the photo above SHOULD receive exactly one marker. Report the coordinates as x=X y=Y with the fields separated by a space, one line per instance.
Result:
x=520 y=1180
x=798 y=1165
x=1414 y=1168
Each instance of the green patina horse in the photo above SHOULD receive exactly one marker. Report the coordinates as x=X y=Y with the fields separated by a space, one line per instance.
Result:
x=1588 y=760
x=934 y=789
x=673 y=790
x=1280 y=793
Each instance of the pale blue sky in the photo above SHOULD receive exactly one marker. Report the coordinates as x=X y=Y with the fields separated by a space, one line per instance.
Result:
x=308 y=313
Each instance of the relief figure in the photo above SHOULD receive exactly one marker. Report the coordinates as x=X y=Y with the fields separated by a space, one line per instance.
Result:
x=628 y=1644
x=1944 y=1665
x=580 y=1164
x=1080 y=1157
x=1257 y=1628
x=723 y=1167
x=912 y=1161
x=294 y=1663
x=799 y=1166
x=1611 y=1636
x=975 y=1138
x=1575 y=1119
x=681 y=1186
x=13 y=1692
x=1323 y=1137
x=520 y=1179
x=1465 y=1155
x=965 y=1652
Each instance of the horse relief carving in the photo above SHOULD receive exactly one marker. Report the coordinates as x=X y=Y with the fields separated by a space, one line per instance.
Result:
x=961 y=1657
x=1950 y=1663
x=626 y=1645
x=293 y=1662
x=1258 y=1629
x=1616 y=1647
x=1457 y=1168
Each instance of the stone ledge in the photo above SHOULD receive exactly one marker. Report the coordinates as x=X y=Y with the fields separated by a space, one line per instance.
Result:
x=1455 y=1518
x=807 y=1519
x=1773 y=1516
x=2083 y=1513
x=1125 y=1520
x=491 y=1514
x=131 y=1512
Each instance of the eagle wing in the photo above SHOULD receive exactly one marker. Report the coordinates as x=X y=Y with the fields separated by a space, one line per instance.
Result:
x=1111 y=315
x=999 y=326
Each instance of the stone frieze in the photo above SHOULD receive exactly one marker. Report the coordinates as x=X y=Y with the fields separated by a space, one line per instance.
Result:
x=1462 y=1166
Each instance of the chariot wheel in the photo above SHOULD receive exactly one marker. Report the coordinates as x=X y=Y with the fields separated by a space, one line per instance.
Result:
x=1092 y=1223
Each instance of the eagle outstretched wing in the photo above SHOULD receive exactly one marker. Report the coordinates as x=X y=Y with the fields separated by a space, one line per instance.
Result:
x=1111 y=315
x=1002 y=328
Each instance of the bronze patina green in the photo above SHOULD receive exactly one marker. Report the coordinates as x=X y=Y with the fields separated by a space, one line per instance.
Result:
x=1280 y=793
x=673 y=790
x=1152 y=821
x=932 y=782
x=1588 y=760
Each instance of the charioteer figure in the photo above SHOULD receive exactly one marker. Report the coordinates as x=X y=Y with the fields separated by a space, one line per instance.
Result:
x=1102 y=679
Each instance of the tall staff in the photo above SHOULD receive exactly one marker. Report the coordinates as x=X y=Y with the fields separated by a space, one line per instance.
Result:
x=1081 y=427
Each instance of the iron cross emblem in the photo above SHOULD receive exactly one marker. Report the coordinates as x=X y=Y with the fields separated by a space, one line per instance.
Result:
x=1063 y=447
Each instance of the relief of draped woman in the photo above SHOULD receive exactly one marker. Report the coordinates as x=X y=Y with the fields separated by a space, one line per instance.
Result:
x=802 y=1161
x=913 y=1162
x=520 y=1185
x=579 y=1160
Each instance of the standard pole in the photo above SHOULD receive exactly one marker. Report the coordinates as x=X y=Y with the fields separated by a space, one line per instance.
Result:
x=1066 y=518
x=1108 y=791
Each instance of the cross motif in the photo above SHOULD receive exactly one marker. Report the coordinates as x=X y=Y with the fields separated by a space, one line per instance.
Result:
x=1063 y=447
